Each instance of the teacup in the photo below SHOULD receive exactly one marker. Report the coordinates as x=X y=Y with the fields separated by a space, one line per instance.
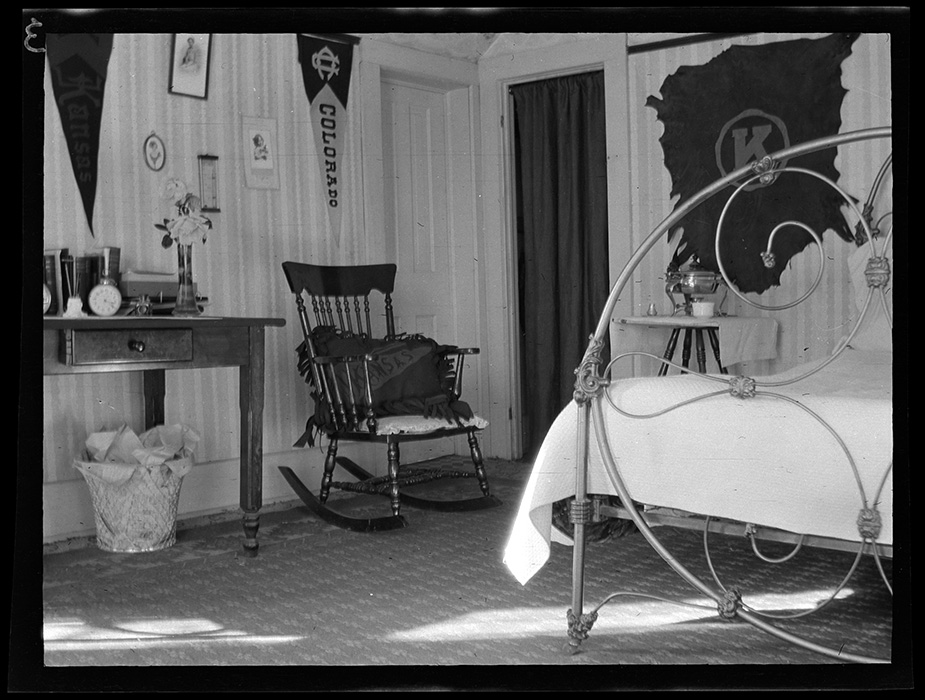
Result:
x=702 y=309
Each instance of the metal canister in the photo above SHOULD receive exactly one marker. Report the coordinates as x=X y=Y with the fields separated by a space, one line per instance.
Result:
x=109 y=263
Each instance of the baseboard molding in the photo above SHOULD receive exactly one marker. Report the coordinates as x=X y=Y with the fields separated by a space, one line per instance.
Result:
x=183 y=523
x=209 y=490
x=212 y=490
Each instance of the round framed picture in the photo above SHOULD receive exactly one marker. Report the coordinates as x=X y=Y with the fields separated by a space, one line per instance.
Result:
x=154 y=152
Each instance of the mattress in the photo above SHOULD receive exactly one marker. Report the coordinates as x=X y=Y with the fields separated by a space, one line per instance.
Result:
x=762 y=460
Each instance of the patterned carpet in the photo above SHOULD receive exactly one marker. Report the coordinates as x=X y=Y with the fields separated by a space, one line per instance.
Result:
x=436 y=596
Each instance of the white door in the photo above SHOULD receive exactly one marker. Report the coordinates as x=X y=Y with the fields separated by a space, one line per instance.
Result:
x=415 y=171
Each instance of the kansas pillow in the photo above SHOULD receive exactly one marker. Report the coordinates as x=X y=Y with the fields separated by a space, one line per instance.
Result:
x=410 y=375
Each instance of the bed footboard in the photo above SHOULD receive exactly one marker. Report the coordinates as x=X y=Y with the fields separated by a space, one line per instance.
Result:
x=597 y=399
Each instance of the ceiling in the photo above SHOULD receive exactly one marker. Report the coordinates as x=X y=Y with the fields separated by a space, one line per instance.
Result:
x=463 y=46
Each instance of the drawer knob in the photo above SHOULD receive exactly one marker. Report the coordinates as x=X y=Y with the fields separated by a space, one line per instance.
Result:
x=136 y=345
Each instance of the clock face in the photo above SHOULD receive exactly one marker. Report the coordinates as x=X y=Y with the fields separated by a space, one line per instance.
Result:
x=105 y=300
x=47 y=299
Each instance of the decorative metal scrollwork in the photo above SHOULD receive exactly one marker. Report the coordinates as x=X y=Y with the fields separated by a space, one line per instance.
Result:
x=580 y=625
x=869 y=523
x=589 y=383
x=729 y=606
x=766 y=169
x=742 y=387
x=877 y=272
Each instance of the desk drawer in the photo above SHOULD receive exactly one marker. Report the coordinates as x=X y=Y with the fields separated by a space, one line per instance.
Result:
x=90 y=347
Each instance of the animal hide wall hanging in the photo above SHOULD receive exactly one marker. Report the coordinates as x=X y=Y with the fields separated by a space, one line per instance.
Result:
x=742 y=105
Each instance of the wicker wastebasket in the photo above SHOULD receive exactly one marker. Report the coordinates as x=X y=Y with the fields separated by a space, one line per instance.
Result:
x=135 y=502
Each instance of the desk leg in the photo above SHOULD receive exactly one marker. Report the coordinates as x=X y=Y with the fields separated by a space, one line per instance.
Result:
x=153 y=390
x=701 y=352
x=714 y=341
x=669 y=351
x=251 y=384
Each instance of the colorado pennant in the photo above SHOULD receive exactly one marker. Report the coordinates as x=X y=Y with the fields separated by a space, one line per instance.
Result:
x=742 y=105
x=326 y=66
x=78 y=64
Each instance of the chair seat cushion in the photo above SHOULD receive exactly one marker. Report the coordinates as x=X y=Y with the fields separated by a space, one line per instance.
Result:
x=416 y=425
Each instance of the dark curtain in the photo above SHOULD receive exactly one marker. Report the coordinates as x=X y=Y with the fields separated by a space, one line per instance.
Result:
x=561 y=178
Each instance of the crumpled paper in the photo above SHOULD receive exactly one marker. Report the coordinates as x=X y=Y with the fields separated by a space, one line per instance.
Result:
x=134 y=482
x=163 y=444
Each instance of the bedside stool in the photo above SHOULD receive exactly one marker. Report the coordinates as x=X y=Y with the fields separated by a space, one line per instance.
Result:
x=746 y=338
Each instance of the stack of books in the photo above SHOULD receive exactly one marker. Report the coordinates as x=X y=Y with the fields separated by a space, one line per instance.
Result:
x=54 y=278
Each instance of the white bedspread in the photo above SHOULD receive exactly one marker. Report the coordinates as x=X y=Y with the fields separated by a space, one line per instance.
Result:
x=761 y=460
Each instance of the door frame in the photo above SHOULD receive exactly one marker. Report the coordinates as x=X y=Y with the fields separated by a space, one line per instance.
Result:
x=566 y=55
x=457 y=81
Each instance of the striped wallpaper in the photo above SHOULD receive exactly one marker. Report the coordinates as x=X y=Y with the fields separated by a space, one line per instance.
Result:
x=258 y=75
x=239 y=269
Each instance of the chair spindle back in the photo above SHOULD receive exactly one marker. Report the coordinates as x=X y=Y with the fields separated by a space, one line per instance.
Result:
x=340 y=296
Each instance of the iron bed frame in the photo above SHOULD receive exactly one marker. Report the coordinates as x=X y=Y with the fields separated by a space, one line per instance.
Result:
x=590 y=394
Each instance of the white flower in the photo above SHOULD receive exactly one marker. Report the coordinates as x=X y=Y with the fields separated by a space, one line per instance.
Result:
x=174 y=190
x=188 y=225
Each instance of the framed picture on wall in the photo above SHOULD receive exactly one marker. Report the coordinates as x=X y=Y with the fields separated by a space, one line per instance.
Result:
x=155 y=153
x=190 y=55
x=261 y=164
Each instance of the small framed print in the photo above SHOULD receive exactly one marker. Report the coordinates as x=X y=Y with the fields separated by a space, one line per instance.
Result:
x=208 y=182
x=261 y=164
x=190 y=55
x=154 y=152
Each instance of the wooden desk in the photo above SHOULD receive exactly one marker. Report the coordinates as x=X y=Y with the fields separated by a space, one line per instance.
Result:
x=154 y=344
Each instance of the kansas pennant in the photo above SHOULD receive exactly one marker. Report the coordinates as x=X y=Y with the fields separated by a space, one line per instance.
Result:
x=78 y=64
x=326 y=69
x=742 y=105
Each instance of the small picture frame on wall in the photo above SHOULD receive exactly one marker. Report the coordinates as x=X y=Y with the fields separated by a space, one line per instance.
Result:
x=208 y=182
x=190 y=56
x=261 y=163
x=154 y=152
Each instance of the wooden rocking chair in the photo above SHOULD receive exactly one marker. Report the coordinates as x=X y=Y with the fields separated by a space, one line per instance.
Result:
x=360 y=384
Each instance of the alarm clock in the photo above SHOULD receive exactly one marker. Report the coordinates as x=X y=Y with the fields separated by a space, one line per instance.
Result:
x=105 y=299
x=47 y=300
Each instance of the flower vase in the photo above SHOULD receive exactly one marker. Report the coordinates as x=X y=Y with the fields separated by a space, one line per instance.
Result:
x=186 y=293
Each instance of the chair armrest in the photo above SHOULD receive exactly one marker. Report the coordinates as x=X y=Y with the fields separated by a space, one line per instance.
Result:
x=458 y=367
x=459 y=352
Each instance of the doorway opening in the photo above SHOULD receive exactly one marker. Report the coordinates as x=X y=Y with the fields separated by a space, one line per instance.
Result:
x=560 y=172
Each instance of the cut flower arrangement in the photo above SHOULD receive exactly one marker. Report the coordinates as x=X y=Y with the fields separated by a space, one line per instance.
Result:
x=186 y=227
x=189 y=224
